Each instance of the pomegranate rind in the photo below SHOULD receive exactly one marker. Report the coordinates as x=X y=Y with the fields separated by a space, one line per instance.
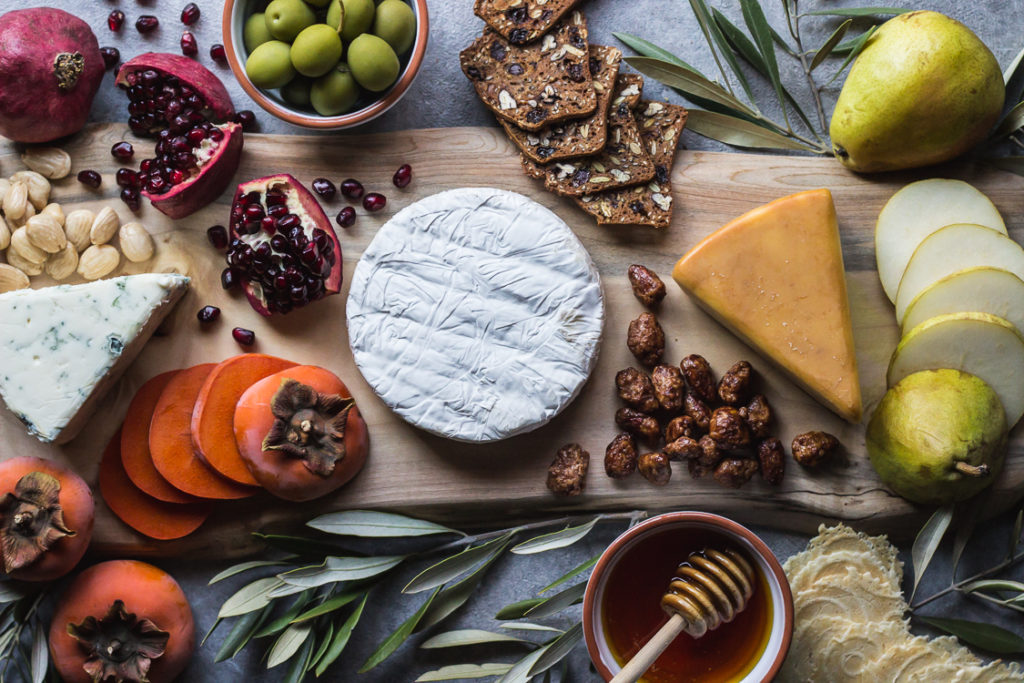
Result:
x=32 y=106
x=189 y=72
x=213 y=178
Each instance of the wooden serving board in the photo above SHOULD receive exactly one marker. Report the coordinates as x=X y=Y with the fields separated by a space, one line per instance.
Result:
x=412 y=472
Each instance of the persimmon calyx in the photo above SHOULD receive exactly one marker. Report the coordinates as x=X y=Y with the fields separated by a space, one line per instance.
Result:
x=119 y=646
x=31 y=520
x=309 y=425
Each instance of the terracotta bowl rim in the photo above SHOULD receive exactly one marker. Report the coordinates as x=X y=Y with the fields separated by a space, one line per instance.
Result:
x=723 y=524
x=315 y=121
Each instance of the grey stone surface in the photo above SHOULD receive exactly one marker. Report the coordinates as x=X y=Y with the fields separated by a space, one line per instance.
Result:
x=442 y=97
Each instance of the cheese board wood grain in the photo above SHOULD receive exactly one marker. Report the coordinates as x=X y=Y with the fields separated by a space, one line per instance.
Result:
x=412 y=472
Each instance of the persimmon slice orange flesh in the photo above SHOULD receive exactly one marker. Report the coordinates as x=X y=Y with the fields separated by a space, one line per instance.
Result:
x=213 y=417
x=170 y=440
x=147 y=515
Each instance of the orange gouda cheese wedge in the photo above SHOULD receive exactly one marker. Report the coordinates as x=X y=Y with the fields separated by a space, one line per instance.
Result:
x=775 y=278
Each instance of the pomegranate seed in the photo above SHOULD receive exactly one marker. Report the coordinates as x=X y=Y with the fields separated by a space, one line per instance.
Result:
x=352 y=188
x=346 y=217
x=243 y=336
x=218 y=54
x=228 y=278
x=147 y=23
x=403 y=176
x=90 y=178
x=246 y=119
x=190 y=14
x=207 y=314
x=324 y=187
x=126 y=177
x=218 y=236
x=111 y=56
x=130 y=196
x=122 y=150
x=374 y=201
x=189 y=46
x=115 y=20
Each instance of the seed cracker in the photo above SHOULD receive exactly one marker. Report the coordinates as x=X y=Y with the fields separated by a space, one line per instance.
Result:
x=629 y=88
x=522 y=21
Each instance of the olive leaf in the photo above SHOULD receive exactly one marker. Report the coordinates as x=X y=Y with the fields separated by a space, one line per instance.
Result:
x=250 y=598
x=528 y=626
x=517 y=610
x=739 y=133
x=966 y=522
x=399 y=636
x=455 y=596
x=1013 y=120
x=558 y=602
x=856 y=46
x=241 y=633
x=297 y=671
x=555 y=539
x=234 y=570
x=927 y=542
x=857 y=12
x=335 y=569
x=579 y=569
x=288 y=643
x=687 y=82
x=557 y=650
x=459 y=672
x=298 y=545
x=648 y=49
x=321 y=650
x=998 y=585
x=469 y=636
x=1018 y=526
x=371 y=524
x=713 y=32
x=520 y=671
x=1011 y=70
x=757 y=24
x=330 y=605
x=10 y=592
x=826 y=49
x=985 y=636
x=456 y=565
x=341 y=638
x=40 y=659
x=283 y=621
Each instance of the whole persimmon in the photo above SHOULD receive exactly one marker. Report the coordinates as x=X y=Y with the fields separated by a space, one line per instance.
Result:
x=46 y=517
x=122 y=620
x=300 y=433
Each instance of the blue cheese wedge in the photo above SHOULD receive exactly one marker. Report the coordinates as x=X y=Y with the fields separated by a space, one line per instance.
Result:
x=62 y=348
x=476 y=314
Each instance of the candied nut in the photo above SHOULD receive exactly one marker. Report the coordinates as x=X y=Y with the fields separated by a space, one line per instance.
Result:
x=52 y=162
x=697 y=372
x=728 y=429
x=772 y=458
x=669 y=388
x=811 y=448
x=567 y=475
x=698 y=470
x=646 y=339
x=97 y=261
x=63 y=264
x=647 y=286
x=23 y=264
x=11 y=278
x=620 y=457
x=681 y=426
x=709 y=452
x=683 y=448
x=46 y=233
x=136 y=242
x=655 y=467
x=735 y=384
x=698 y=411
x=15 y=201
x=644 y=427
x=105 y=226
x=77 y=226
x=21 y=245
x=758 y=415
x=38 y=187
x=735 y=472
x=636 y=389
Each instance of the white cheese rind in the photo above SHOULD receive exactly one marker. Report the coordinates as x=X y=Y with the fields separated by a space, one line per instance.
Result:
x=476 y=314
x=60 y=347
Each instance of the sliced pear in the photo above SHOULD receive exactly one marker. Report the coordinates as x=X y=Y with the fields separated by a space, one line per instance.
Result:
x=981 y=289
x=980 y=344
x=955 y=248
x=918 y=210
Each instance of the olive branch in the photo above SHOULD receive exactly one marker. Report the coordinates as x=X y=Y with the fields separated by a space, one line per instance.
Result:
x=24 y=654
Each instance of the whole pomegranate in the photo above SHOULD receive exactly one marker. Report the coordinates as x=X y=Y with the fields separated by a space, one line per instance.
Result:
x=50 y=70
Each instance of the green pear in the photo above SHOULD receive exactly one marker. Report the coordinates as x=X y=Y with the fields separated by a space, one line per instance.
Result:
x=925 y=89
x=938 y=436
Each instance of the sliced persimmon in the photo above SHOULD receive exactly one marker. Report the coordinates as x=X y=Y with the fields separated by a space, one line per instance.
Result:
x=144 y=513
x=213 y=433
x=170 y=440
x=304 y=459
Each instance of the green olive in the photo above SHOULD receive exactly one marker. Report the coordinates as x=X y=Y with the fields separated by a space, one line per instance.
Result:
x=334 y=11
x=358 y=18
x=285 y=18
x=374 y=64
x=396 y=24
x=316 y=50
x=255 y=32
x=270 y=65
x=334 y=93
x=296 y=92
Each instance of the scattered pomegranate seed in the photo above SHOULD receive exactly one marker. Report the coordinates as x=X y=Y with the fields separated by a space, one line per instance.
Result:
x=403 y=176
x=324 y=187
x=122 y=150
x=190 y=14
x=246 y=119
x=243 y=336
x=115 y=20
x=90 y=178
x=346 y=217
x=147 y=23
x=218 y=236
x=207 y=314
x=352 y=188
x=218 y=54
x=111 y=57
x=189 y=46
x=374 y=201
x=126 y=177
x=130 y=196
x=228 y=278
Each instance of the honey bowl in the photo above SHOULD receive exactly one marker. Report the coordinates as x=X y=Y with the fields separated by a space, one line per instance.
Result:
x=622 y=604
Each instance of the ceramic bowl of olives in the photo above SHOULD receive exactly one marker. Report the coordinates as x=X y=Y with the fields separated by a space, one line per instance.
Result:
x=325 y=64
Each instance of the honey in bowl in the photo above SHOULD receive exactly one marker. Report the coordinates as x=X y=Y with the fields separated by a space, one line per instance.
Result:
x=631 y=612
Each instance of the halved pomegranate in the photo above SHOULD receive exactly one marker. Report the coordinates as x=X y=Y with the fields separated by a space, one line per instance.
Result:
x=186 y=107
x=283 y=249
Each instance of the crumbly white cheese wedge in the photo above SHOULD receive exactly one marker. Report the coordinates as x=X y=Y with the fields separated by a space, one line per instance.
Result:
x=62 y=348
x=476 y=314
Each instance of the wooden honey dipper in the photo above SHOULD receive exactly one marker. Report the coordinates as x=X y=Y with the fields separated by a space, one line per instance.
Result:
x=708 y=590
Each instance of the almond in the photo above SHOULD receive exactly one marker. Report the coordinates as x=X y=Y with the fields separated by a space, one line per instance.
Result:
x=22 y=264
x=15 y=201
x=136 y=242
x=105 y=226
x=5 y=186
x=21 y=244
x=38 y=187
x=18 y=222
x=97 y=261
x=11 y=278
x=5 y=234
x=54 y=209
x=77 y=226
x=52 y=162
x=63 y=264
x=46 y=233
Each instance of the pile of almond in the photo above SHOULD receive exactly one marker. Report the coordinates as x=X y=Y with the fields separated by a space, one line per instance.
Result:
x=37 y=237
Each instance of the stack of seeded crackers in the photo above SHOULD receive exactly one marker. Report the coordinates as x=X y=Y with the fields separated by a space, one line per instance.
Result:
x=581 y=126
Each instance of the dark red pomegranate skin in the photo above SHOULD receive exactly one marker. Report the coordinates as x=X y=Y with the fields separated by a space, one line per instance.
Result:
x=48 y=76
x=190 y=73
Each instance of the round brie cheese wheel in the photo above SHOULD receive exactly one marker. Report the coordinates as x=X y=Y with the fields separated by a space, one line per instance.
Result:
x=476 y=314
